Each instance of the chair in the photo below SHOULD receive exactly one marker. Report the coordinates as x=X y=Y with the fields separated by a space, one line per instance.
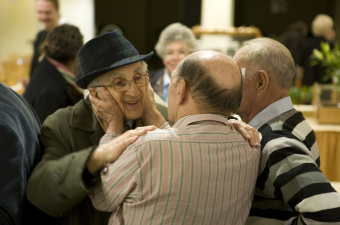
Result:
x=15 y=71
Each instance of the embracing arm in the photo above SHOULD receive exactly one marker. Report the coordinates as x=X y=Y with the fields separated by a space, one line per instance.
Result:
x=56 y=184
x=151 y=114
x=112 y=191
x=248 y=132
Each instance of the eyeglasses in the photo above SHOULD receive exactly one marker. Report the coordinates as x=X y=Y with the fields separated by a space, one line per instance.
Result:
x=120 y=84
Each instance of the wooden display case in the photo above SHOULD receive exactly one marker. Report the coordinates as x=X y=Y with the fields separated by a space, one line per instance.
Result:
x=327 y=100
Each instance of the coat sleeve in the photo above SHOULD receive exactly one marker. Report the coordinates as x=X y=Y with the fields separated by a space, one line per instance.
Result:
x=13 y=172
x=56 y=184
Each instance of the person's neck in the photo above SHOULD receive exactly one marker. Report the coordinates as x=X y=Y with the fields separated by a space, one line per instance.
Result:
x=49 y=28
x=262 y=103
x=70 y=65
x=187 y=109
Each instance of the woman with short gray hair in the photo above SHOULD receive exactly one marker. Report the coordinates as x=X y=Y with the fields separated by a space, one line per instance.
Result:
x=175 y=42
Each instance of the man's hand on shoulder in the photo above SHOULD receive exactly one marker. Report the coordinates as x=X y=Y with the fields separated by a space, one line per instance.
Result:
x=248 y=132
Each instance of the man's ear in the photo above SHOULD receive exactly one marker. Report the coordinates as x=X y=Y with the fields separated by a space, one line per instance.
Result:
x=181 y=89
x=262 y=82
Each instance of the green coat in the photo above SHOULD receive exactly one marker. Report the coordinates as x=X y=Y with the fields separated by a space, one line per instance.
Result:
x=56 y=185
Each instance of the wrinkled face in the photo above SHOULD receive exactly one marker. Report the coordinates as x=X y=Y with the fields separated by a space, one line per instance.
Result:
x=131 y=101
x=47 y=14
x=174 y=53
x=248 y=91
x=172 y=97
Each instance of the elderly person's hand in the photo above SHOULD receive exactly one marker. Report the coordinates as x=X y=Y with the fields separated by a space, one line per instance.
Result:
x=151 y=115
x=248 y=132
x=107 y=110
x=110 y=151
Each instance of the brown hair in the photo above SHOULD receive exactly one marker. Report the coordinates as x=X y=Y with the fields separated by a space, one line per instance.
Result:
x=63 y=43
x=54 y=2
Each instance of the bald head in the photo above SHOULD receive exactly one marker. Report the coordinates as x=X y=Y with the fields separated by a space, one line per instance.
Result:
x=214 y=80
x=221 y=68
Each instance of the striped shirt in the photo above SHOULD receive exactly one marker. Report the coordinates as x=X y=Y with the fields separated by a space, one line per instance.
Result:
x=200 y=171
x=290 y=188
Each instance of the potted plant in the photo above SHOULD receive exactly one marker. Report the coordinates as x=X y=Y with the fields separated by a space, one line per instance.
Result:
x=328 y=95
x=330 y=59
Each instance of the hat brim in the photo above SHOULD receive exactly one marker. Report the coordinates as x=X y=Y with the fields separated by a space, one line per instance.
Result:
x=86 y=79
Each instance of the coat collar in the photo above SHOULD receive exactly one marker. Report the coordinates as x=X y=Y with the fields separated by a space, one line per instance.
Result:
x=84 y=119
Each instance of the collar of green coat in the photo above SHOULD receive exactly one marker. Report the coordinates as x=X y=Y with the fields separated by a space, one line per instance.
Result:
x=83 y=117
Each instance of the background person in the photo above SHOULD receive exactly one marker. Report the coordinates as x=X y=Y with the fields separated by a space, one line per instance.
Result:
x=323 y=31
x=48 y=14
x=290 y=188
x=175 y=42
x=200 y=170
x=294 y=38
x=20 y=150
x=53 y=85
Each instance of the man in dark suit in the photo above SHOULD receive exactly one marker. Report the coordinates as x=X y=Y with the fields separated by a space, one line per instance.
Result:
x=19 y=152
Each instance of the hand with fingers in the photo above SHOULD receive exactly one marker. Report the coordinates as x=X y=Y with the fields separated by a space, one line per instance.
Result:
x=248 y=132
x=151 y=115
x=110 y=151
x=106 y=110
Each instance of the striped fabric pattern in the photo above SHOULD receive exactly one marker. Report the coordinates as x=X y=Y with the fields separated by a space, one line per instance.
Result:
x=290 y=188
x=200 y=171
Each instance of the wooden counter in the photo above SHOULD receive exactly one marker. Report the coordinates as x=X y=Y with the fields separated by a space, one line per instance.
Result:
x=328 y=138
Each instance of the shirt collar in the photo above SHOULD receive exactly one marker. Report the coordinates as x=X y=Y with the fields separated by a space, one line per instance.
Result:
x=59 y=65
x=212 y=118
x=271 y=111
x=166 y=78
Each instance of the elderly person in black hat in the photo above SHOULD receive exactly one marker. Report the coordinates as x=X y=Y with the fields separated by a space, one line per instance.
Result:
x=120 y=98
x=118 y=82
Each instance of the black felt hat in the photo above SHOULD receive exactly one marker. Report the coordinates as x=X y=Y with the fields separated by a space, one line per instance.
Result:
x=104 y=53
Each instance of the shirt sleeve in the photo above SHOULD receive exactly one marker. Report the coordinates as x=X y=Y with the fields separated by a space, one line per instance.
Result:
x=107 y=138
x=117 y=183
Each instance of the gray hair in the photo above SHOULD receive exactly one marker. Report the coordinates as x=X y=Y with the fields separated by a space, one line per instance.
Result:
x=99 y=80
x=173 y=33
x=271 y=56
x=322 y=24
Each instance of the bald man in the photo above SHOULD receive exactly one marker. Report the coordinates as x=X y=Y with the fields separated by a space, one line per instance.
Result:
x=200 y=170
x=291 y=189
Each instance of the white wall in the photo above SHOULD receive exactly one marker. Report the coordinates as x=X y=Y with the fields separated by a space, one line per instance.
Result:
x=19 y=26
x=217 y=14
x=81 y=14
